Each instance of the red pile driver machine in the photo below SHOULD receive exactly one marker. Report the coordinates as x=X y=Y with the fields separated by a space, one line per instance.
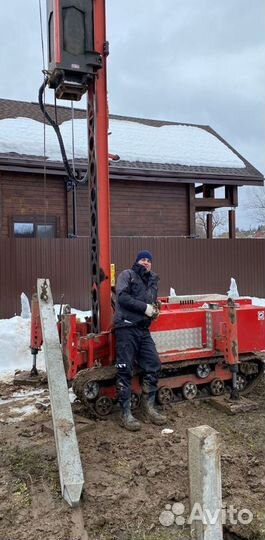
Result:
x=205 y=345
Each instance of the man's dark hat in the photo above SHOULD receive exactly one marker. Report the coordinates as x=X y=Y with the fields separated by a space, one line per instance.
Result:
x=145 y=254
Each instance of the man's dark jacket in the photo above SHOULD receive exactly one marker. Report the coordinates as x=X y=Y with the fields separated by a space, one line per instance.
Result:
x=135 y=289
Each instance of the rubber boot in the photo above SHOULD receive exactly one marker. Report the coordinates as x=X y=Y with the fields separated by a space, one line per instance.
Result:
x=127 y=419
x=148 y=406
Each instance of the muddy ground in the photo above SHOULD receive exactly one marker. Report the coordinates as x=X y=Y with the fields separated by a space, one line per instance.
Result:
x=129 y=478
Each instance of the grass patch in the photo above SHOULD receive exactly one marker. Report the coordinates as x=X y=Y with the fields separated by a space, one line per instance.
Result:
x=27 y=466
x=22 y=494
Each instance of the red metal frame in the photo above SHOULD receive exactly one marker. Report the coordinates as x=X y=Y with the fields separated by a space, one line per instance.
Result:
x=57 y=32
x=230 y=333
x=85 y=350
x=102 y=166
x=36 y=333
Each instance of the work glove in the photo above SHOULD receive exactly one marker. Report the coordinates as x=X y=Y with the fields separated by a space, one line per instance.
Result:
x=157 y=308
x=150 y=310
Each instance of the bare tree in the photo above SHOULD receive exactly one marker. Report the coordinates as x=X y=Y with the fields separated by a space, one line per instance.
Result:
x=257 y=205
x=219 y=223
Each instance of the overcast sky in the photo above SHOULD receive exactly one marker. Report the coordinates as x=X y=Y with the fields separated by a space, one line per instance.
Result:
x=198 y=61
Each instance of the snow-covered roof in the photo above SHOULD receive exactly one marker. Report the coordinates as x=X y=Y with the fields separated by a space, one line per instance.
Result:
x=145 y=146
x=133 y=141
x=175 y=144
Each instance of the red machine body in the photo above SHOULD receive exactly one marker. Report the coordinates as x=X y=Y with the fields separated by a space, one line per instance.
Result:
x=82 y=349
x=182 y=318
x=198 y=342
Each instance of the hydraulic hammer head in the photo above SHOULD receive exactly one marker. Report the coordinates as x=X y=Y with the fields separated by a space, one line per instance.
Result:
x=73 y=62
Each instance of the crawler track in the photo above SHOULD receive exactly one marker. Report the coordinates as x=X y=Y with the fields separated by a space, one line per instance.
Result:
x=251 y=370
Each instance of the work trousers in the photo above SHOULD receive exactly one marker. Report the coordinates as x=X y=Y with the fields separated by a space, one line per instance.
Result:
x=135 y=350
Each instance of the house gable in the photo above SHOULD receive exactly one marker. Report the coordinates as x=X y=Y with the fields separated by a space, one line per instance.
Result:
x=148 y=195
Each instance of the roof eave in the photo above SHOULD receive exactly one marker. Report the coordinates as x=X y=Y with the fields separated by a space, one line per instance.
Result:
x=141 y=174
x=189 y=176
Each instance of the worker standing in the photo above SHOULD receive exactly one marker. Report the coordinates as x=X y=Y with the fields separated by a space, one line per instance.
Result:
x=136 y=297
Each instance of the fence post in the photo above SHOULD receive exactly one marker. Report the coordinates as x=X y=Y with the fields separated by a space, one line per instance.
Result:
x=205 y=483
x=69 y=462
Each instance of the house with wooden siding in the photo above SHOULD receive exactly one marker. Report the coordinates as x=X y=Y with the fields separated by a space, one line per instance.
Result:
x=166 y=172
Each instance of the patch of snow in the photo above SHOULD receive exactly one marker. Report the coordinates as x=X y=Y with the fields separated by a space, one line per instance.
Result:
x=79 y=314
x=258 y=301
x=72 y=396
x=15 y=347
x=167 y=431
x=25 y=136
x=25 y=307
x=22 y=395
x=17 y=414
x=182 y=145
x=133 y=141
x=14 y=409
x=15 y=351
x=233 y=291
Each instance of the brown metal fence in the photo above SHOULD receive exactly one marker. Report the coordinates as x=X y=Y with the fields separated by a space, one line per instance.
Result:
x=190 y=266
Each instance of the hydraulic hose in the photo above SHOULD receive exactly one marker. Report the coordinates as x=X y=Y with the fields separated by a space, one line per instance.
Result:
x=74 y=179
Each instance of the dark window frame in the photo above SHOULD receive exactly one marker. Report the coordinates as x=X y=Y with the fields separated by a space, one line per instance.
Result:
x=50 y=220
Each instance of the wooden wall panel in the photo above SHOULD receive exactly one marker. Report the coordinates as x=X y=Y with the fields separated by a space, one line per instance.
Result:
x=83 y=210
x=137 y=208
x=149 y=208
x=27 y=195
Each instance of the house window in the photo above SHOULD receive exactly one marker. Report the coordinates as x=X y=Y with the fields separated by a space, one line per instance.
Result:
x=45 y=231
x=33 y=227
x=23 y=229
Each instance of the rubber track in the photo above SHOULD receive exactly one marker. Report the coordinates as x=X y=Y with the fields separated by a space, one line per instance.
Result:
x=99 y=374
x=255 y=382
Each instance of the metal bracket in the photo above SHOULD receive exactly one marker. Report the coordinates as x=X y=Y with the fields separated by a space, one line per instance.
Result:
x=44 y=293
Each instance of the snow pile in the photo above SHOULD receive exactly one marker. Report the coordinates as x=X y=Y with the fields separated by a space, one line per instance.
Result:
x=172 y=292
x=14 y=346
x=15 y=351
x=25 y=306
x=233 y=291
x=133 y=141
